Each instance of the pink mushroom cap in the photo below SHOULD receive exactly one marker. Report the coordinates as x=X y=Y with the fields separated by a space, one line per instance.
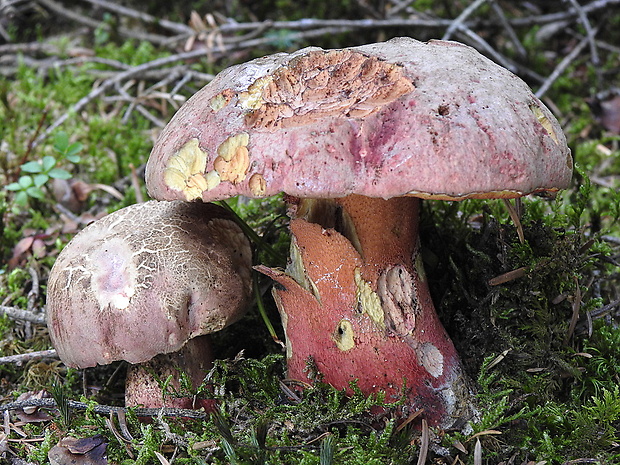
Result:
x=144 y=280
x=402 y=117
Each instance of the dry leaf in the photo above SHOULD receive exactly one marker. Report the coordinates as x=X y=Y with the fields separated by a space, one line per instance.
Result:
x=82 y=451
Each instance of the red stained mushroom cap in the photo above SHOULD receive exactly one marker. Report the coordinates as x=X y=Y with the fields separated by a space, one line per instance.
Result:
x=144 y=280
x=433 y=119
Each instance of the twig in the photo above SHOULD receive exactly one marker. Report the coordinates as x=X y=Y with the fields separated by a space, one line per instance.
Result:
x=519 y=48
x=484 y=47
x=44 y=64
x=31 y=144
x=20 y=359
x=575 y=316
x=612 y=239
x=92 y=95
x=24 y=315
x=591 y=36
x=561 y=67
x=131 y=13
x=105 y=409
x=93 y=23
x=29 y=47
x=424 y=443
x=590 y=33
x=33 y=294
x=399 y=6
x=457 y=23
x=134 y=103
x=604 y=310
x=4 y=33
x=528 y=21
x=415 y=22
x=135 y=183
x=18 y=461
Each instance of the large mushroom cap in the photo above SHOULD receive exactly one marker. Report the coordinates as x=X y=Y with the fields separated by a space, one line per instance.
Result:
x=433 y=119
x=144 y=280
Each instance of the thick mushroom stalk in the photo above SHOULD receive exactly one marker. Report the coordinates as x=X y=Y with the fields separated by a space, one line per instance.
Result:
x=149 y=279
x=341 y=130
x=371 y=312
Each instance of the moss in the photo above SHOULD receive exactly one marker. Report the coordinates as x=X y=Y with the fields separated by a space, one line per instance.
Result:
x=552 y=397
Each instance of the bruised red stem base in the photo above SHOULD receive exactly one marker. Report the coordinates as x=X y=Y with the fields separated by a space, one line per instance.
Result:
x=358 y=308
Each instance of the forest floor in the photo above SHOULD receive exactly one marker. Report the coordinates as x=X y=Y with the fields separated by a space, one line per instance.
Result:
x=530 y=294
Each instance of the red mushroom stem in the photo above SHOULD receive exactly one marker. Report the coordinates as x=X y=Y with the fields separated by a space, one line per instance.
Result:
x=356 y=305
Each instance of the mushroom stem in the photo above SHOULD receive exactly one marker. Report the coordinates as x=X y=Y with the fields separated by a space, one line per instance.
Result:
x=148 y=385
x=355 y=262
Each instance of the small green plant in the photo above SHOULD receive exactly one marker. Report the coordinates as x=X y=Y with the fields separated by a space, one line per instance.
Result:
x=39 y=172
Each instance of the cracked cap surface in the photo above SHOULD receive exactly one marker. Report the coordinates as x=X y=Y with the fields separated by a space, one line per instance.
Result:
x=144 y=280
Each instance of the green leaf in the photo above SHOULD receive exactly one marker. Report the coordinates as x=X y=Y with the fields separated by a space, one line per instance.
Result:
x=73 y=149
x=13 y=187
x=61 y=141
x=25 y=182
x=59 y=173
x=74 y=158
x=35 y=192
x=48 y=163
x=40 y=179
x=32 y=167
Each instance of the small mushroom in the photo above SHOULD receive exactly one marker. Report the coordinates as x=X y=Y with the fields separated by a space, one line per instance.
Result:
x=149 y=279
x=356 y=137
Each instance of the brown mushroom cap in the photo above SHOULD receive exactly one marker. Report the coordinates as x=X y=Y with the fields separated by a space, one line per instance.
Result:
x=144 y=280
x=433 y=119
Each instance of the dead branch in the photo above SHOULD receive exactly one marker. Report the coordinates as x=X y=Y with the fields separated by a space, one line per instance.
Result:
x=20 y=359
x=512 y=35
x=24 y=315
x=73 y=15
x=460 y=19
x=132 y=72
x=561 y=67
x=49 y=403
x=179 y=28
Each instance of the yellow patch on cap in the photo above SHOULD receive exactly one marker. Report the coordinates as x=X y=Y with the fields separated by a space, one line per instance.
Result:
x=252 y=99
x=257 y=185
x=233 y=158
x=546 y=123
x=185 y=170
x=220 y=100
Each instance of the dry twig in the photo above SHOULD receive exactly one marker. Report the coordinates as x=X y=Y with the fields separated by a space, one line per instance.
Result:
x=561 y=67
x=50 y=403
x=20 y=359
x=24 y=315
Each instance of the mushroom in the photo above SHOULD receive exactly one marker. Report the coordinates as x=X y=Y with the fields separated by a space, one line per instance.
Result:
x=355 y=137
x=146 y=284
